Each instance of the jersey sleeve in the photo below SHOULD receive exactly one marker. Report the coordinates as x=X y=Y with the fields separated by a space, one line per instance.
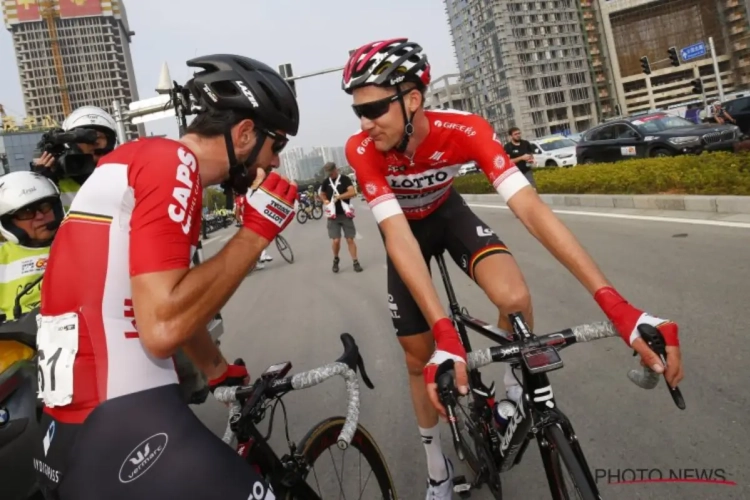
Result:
x=369 y=165
x=485 y=148
x=166 y=217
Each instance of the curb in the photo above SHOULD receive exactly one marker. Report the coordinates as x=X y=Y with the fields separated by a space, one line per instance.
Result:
x=690 y=203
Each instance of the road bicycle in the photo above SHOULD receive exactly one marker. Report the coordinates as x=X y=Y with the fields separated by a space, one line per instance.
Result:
x=284 y=249
x=309 y=210
x=478 y=435
x=294 y=474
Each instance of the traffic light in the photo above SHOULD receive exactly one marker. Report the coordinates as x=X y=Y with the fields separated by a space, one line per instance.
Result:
x=285 y=70
x=645 y=65
x=674 y=59
x=697 y=86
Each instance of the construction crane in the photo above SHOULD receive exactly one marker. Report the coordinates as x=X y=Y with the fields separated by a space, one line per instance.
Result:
x=47 y=10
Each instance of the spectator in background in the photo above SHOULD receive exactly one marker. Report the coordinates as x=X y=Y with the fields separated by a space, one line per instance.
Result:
x=521 y=153
x=693 y=113
x=336 y=190
x=720 y=115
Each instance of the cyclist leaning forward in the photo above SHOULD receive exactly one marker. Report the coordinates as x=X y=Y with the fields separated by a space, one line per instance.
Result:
x=120 y=298
x=405 y=159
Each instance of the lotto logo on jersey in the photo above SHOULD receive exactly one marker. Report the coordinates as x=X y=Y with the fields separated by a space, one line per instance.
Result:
x=184 y=193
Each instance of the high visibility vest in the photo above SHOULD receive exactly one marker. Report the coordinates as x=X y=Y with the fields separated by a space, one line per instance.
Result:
x=68 y=190
x=20 y=266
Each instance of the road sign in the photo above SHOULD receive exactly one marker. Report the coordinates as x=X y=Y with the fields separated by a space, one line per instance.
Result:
x=693 y=51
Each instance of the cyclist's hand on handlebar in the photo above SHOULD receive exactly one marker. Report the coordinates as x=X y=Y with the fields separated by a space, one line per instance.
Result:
x=447 y=346
x=626 y=319
x=270 y=208
x=233 y=376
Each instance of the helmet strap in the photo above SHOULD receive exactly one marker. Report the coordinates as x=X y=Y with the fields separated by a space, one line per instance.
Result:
x=239 y=177
x=408 y=125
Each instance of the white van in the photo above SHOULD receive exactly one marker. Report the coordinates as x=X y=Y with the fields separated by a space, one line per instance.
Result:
x=554 y=151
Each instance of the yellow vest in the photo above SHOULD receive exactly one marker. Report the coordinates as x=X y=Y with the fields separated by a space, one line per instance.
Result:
x=19 y=266
x=68 y=190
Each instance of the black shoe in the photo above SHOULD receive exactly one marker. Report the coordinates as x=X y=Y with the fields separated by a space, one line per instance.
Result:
x=335 y=264
x=357 y=267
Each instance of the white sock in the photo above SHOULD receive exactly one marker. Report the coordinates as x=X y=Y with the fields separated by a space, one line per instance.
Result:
x=435 y=460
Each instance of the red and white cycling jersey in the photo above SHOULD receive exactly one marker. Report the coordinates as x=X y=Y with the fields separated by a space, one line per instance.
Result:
x=139 y=212
x=394 y=184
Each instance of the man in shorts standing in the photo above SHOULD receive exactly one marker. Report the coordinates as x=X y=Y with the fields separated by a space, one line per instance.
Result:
x=339 y=188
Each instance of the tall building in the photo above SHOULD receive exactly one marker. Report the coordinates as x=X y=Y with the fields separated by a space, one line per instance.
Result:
x=17 y=150
x=525 y=63
x=637 y=28
x=445 y=92
x=72 y=53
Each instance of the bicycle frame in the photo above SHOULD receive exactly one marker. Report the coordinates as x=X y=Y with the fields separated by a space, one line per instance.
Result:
x=537 y=410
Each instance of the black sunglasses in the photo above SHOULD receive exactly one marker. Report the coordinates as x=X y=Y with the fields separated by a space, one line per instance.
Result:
x=279 y=141
x=375 y=109
x=29 y=212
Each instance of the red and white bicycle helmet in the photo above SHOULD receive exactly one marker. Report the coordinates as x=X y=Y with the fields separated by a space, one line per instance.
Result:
x=386 y=63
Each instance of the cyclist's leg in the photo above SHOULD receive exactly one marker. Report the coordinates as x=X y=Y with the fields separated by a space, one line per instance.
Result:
x=486 y=260
x=150 y=445
x=416 y=340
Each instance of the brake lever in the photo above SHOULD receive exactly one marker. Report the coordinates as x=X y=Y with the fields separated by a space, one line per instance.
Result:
x=445 y=378
x=655 y=340
x=363 y=373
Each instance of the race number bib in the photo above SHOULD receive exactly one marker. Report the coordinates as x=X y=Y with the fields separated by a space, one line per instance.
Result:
x=57 y=345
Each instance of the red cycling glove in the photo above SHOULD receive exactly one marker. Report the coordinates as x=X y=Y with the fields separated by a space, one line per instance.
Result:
x=235 y=375
x=447 y=346
x=270 y=208
x=626 y=318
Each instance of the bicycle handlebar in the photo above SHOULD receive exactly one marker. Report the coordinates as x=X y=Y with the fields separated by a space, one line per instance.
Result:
x=346 y=367
x=643 y=377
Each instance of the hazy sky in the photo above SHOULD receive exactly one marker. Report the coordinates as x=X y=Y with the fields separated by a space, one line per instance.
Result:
x=310 y=34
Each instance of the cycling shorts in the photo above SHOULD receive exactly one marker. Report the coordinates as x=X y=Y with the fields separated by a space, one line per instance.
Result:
x=146 y=445
x=452 y=227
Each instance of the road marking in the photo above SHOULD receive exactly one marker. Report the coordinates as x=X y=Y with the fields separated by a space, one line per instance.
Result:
x=700 y=222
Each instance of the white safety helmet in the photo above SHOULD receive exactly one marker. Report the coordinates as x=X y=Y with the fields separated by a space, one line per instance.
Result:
x=18 y=190
x=91 y=117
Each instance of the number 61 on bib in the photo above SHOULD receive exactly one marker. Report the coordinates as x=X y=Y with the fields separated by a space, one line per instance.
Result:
x=57 y=345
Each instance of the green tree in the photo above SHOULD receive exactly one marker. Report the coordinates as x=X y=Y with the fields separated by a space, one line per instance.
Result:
x=214 y=199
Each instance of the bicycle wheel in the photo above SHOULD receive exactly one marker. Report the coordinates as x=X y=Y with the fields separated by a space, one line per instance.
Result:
x=284 y=249
x=317 y=212
x=301 y=216
x=321 y=440
x=565 y=463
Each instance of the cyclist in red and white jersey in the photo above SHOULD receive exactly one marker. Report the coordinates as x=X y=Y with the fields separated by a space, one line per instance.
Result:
x=120 y=297
x=406 y=159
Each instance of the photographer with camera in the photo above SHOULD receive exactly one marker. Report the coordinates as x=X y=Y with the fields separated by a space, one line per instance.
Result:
x=69 y=155
x=30 y=213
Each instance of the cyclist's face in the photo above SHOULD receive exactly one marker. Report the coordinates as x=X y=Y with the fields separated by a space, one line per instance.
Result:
x=380 y=113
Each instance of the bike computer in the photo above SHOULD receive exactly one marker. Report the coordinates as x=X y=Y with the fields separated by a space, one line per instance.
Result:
x=277 y=371
x=542 y=359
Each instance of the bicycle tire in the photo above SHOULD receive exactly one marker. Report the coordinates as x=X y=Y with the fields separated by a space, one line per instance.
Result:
x=301 y=216
x=325 y=434
x=559 y=443
x=283 y=247
x=317 y=212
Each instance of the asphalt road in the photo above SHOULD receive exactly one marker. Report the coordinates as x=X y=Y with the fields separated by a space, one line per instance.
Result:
x=698 y=276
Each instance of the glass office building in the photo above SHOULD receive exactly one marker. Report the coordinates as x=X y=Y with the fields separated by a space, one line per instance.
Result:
x=17 y=149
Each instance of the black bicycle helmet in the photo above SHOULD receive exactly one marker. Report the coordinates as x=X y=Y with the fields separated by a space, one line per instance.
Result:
x=234 y=82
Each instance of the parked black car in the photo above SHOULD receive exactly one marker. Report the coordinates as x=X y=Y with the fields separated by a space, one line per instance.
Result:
x=739 y=109
x=655 y=134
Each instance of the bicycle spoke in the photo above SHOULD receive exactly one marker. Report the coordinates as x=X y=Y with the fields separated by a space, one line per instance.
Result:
x=338 y=478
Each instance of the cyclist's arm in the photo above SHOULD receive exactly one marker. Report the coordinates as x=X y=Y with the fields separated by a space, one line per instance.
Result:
x=530 y=209
x=205 y=354
x=400 y=244
x=172 y=302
